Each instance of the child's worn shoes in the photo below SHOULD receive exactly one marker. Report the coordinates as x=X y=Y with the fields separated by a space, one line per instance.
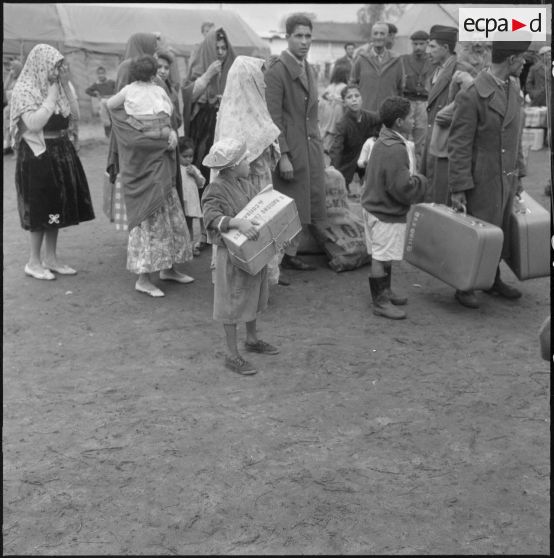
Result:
x=240 y=366
x=261 y=347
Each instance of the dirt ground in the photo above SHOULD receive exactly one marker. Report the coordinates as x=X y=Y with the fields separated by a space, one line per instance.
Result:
x=124 y=434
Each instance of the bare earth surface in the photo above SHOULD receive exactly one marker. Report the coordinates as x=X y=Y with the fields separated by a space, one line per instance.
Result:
x=124 y=434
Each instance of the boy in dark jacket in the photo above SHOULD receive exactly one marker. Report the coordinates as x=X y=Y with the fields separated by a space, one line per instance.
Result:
x=355 y=127
x=391 y=185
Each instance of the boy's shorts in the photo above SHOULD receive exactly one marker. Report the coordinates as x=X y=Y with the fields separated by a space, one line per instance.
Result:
x=384 y=241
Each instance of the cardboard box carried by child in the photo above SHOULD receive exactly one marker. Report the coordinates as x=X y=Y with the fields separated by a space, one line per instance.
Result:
x=279 y=222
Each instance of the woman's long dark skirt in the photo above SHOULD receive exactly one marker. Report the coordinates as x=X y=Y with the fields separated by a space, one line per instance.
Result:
x=202 y=131
x=52 y=189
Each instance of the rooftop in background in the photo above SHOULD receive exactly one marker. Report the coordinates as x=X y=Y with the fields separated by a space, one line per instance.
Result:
x=329 y=32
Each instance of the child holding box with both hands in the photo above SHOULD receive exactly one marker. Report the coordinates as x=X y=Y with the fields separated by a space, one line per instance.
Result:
x=238 y=296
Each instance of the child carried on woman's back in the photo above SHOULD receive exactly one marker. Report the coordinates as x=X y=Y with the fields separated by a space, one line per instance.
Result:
x=147 y=104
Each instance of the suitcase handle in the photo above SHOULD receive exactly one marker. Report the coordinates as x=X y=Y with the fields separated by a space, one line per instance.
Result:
x=519 y=205
x=464 y=211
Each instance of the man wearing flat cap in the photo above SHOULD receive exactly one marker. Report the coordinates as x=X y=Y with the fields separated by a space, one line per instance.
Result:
x=484 y=150
x=441 y=50
x=416 y=68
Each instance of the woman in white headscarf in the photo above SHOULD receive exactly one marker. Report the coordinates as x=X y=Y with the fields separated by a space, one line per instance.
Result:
x=52 y=189
x=243 y=115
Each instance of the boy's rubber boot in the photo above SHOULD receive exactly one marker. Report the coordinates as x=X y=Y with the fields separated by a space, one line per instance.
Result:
x=381 y=303
x=395 y=298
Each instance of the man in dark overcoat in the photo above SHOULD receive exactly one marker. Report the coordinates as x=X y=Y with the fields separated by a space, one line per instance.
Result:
x=292 y=99
x=441 y=50
x=484 y=149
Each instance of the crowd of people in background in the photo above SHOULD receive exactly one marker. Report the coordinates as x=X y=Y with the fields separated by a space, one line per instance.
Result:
x=441 y=124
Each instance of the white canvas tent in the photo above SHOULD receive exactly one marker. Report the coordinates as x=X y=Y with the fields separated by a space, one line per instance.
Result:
x=90 y=35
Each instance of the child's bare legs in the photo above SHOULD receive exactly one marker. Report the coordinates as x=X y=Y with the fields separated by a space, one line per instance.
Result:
x=251 y=333
x=203 y=236
x=377 y=268
x=231 y=336
x=231 y=339
x=190 y=225
x=255 y=345
x=234 y=360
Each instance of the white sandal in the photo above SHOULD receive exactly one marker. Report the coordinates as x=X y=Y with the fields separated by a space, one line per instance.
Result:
x=45 y=274
x=154 y=292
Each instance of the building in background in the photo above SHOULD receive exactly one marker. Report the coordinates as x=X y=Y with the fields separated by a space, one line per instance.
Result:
x=327 y=43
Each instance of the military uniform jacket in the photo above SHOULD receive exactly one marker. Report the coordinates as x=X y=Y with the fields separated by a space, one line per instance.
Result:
x=415 y=77
x=292 y=103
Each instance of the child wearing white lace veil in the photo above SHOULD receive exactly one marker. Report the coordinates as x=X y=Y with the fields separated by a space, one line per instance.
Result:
x=243 y=116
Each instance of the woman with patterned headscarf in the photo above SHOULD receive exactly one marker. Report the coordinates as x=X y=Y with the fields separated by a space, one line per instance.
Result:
x=52 y=189
x=212 y=62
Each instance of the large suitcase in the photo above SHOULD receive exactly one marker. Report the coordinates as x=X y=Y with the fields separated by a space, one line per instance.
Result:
x=456 y=248
x=529 y=238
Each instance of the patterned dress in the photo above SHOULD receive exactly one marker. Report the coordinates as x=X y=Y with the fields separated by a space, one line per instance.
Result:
x=161 y=240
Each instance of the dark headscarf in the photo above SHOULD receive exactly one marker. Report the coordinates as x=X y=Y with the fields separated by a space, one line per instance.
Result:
x=138 y=44
x=205 y=55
